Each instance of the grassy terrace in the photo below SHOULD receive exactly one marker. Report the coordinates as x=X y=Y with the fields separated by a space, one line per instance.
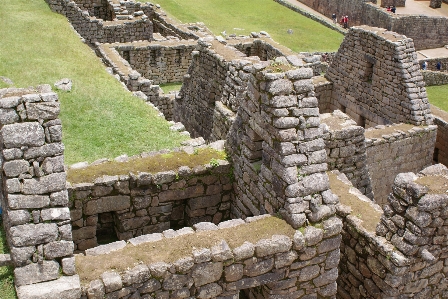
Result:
x=256 y=15
x=438 y=95
x=100 y=119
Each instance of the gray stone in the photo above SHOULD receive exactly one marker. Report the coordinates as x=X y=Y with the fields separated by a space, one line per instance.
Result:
x=55 y=214
x=234 y=272
x=66 y=287
x=46 y=184
x=202 y=255
x=23 y=134
x=164 y=177
x=28 y=201
x=146 y=238
x=285 y=259
x=176 y=282
x=18 y=217
x=308 y=273
x=244 y=251
x=211 y=290
x=138 y=274
x=96 y=289
x=205 y=226
x=46 y=150
x=277 y=244
x=206 y=273
x=43 y=110
x=5 y=260
x=64 y=84
x=13 y=185
x=59 y=198
x=21 y=256
x=57 y=249
x=107 y=204
x=12 y=153
x=33 y=273
x=53 y=164
x=68 y=266
x=150 y=286
x=159 y=269
x=15 y=168
x=221 y=252
x=33 y=234
x=184 y=265
x=332 y=227
x=326 y=278
x=112 y=281
x=254 y=267
x=280 y=87
x=313 y=235
x=105 y=249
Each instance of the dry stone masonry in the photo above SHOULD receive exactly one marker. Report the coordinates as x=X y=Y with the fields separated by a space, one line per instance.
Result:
x=34 y=195
x=283 y=125
x=300 y=266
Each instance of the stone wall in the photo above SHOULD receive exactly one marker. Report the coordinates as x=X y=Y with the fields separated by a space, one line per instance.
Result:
x=403 y=149
x=346 y=149
x=34 y=195
x=135 y=82
x=98 y=8
x=441 y=148
x=323 y=89
x=131 y=205
x=96 y=30
x=433 y=78
x=262 y=48
x=280 y=266
x=406 y=256
x=210 y=78
x=161 y=62
x=424 y=30
x=384 y=84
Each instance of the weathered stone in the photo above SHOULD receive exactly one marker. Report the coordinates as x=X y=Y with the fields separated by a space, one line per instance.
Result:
x=256 y=268
x=55 y=214
x=67 y=287
x=146 y=238
x=33 y=234
x=8 y=116
x=112 y=281
x=21 y=256
x=15 y=168
x=68 y=266
x=53 y=164
x=105 y=249
x=43 y=110
x=138 y=274
x=47 y=150
x=276 y=244
x=313 y=235
x=18 y=217
x=206 y=273
x=57 y=249
x=33 y=273
x=202 y=255
x=176 y=282
x=107 y=204
x=16 y=201
x=150 y=286
x=23 y=134
x=233 y=272
x=59 y=198
x=96 y=289
x=45 y=184
x=221 y=252
x=211 y=290
x=244 y=251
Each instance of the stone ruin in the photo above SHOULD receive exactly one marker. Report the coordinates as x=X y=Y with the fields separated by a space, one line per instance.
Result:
x=322 y=153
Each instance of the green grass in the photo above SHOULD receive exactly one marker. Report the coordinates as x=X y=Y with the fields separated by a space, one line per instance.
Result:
x=173 y=86
x=256 y=15
x=100 y=119
x=438 y=96
x=7 y=290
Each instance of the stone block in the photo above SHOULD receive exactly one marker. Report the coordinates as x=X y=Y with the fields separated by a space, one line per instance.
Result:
x=16 y=167
x=18 y=217
x=19 y=201
x=146 y=238
x=45 y=184
x=276 y=244
x=47 y=150
x=211 y=290
x=33 y=234
x=204 y=202
x=43 y=110
x=221 y=252
x=67 y=287
x=254 y=267
x=55 y=214
x=23 y=134
x=107 y=204
x=206 y=273
x=33 y=273
x=112 y=281
x=68 y=266
x=53 y=164
x=57 y=249
x=105 y=249
x=8 y=116
x=244 y=251
x=86 y=232
x=21 y=256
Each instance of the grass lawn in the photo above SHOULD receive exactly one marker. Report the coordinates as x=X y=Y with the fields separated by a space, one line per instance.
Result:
x=438 y=96
x=174 y=86
x=7 y=290
x=100 y=119
x=256 y=15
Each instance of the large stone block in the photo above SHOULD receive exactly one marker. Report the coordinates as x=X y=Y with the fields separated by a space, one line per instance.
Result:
x=107 y=204
x=43 y=110
x=46 y=184
x=66 y=287
x=57 y=249
x=16 y=201
x=206 y=273
x=33 y=234
x=23 y=134
x=55 y=214
x=15 y=168
x=32 y=273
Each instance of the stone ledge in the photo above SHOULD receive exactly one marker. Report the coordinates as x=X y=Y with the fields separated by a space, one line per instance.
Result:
x=66 y=287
